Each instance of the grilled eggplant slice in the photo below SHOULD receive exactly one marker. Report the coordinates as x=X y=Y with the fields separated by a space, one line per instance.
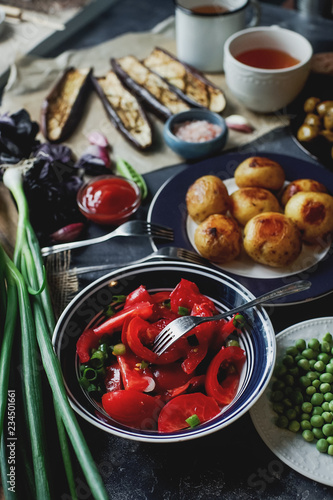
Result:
x=149 y=87
x=63 y=107
x=124 y=110
x=186 y=80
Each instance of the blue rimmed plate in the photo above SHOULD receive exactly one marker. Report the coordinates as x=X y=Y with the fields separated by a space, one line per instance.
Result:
x=315 y=262
x=258 y=340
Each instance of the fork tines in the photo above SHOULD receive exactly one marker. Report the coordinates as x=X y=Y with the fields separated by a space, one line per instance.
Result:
x=191 y=256
x=162 y=342
x=159 y=231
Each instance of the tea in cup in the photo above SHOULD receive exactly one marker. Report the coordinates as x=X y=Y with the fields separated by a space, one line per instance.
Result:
x=203 y=26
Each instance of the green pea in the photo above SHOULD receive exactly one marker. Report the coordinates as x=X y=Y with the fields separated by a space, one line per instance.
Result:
x=292 y=351
x=310 y=390
x=326 y=406
x=319 y=366
x=305 y=416
x=317 y=432
x=329 y=368
x=278 y=407
x=325 y=347
x=304 y=364
x=307 y=407
x=330 y=450
x=316 y=383
x=308 y=435
x=330 y=439
x=291 y=414
x=289 y=380
x=326 y=377
x=280 y=370
x=308 y=354
x=288 y=360
x=317 y=399
x=331 y=404
x=324 y=357
x=294 y=426
x=322 y=445
x=328 y=397
x=311 y=375
x=282 y=421
x=327 y=337
x=287 y=402
x=306 y=425
x=314 y=344
x=317 y=410
x=327 y=429
x=297 y=397
x=300 y=344
x=294 y=371
x=304 y=381
x=298 y=357
x=324 y=387
x=317 y=421
x=311 y=363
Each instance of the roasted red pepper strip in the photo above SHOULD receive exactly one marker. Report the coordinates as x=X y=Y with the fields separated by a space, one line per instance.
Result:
x=112 y=378
x=142 y=309
x=86 y=342
x=136 y=329
x=140 y=294
x=230 y=359
x=133 y=376
x=186 y=294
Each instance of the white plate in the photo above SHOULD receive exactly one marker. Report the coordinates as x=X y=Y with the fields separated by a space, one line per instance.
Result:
x=289 y=447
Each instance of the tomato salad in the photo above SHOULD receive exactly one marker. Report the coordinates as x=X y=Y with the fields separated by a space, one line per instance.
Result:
x=187 y=385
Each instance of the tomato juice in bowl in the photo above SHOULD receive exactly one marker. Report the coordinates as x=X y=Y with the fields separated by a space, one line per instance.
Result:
x=109 y=199
x=257 y=341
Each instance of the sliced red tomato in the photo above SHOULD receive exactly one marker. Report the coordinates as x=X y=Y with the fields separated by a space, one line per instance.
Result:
x=186 y=294
x=195 y=383
x=112 y=378
x=140 y=294
x=133 y=375
x=132 y=408
x=194 y=356
x=142 y=309
x=160 y=297
x=136 y=330
x=228 y=360
x=86 y=342
x=174 y=414
x=169 y=376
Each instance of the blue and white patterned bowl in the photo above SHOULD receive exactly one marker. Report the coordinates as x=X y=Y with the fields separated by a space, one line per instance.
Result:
x=258 y=340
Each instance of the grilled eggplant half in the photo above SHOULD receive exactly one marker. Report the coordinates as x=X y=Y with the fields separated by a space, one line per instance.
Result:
x=124 y=110
x=63 y=107
x=188 y=82
x=150 y=88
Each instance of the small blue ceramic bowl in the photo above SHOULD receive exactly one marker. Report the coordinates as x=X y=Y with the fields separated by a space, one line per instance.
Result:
x=193 y=150
x=88 y=309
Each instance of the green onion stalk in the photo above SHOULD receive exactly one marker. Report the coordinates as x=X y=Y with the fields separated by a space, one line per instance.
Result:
x=28 y=258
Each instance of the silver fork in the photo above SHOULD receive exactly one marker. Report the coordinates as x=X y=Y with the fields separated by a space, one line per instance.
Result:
x=161 y=253
x=180 y=326
x=130 y=228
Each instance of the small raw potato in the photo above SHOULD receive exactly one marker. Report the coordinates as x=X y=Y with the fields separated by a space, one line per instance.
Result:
x=272 y=239
x=218 y=238
x=257 y=171
x=247 y=202
x=313 y=215
x=206 y=196
x=301 y=185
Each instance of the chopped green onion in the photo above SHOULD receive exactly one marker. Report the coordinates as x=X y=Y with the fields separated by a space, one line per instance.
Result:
x=118 y=299
x=193 y=420
x=183 y=311
x=97 y=359
x=167 y=303
x=239 y=321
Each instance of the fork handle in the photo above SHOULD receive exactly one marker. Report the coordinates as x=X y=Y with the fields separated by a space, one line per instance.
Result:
x=62 y=247
x=283 y=291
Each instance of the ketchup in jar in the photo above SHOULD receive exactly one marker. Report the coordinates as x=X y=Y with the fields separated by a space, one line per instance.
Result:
x=109 y=199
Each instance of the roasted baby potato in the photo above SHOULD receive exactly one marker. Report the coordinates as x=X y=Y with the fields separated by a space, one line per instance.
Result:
x=258 y=171
x=206 y=196
x=301 y=185
x=311 y=104
x=64 y=106
x=272 y=239
x=312 y=213
x=218 y=238
x=247 y=202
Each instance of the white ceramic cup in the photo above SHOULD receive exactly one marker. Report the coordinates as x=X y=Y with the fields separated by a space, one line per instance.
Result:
x=266 y=90
x=200 y=37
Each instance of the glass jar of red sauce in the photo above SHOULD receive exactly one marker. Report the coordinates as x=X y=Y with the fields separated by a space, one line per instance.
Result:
x=109 y=199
